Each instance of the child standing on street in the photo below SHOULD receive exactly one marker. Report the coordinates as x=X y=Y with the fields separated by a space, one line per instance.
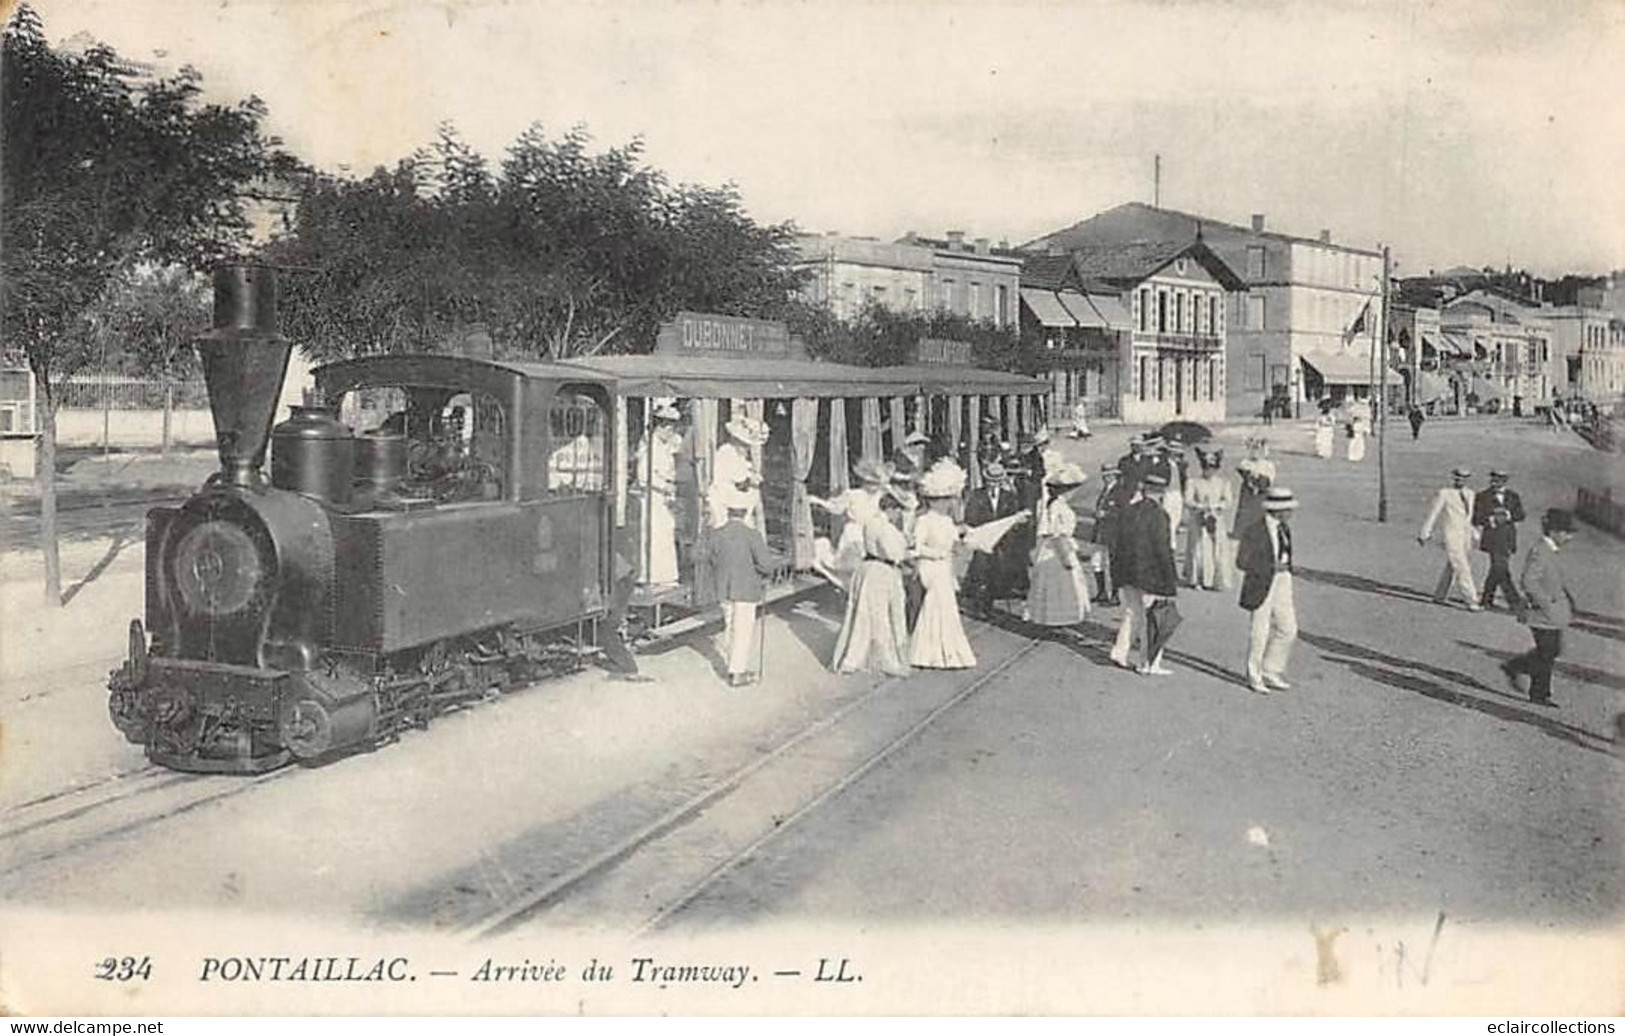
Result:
x=740 y=559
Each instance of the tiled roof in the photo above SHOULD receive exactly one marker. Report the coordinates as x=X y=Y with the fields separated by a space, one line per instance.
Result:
x=1046 y=271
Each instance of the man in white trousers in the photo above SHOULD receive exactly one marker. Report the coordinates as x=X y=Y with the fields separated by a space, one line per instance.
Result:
x=1452 y=511
x=1264 y=557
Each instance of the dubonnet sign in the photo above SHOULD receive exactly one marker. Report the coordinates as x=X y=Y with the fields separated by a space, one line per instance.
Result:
x=711 y=334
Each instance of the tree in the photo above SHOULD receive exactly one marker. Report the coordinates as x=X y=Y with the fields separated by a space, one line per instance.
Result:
x=145 y=323
x=97 y=176
x=558 y=252
x=881 y=337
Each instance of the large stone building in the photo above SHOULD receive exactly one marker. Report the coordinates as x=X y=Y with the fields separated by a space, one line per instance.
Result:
x=1136 y=330
x=1589 y=341
x=1480 y=351
x=912 y=275
x=1304 y=324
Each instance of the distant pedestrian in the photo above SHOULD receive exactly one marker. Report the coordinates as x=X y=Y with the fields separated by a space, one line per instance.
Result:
x=1359 y=429
x=1452 y=511
x=1415 y=417
x=740 y=559
x=1265 y=560
x=1269 y=408
x=1080 y=420
x=874 y=634
x=1496 y=513
x=1325 y=428
x=1146 y=561
x=1550 y=607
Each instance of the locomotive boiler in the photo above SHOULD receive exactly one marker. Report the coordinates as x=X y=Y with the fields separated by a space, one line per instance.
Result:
x=456 y=545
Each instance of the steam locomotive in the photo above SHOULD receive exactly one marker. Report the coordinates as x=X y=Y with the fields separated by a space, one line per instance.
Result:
x=377 y=578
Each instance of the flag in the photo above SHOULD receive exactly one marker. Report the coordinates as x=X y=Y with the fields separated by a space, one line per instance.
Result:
x=1357 y=328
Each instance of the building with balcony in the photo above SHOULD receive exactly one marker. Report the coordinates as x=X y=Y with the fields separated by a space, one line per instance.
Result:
x=1160 y=307
x=1498 y=352
x=912 y=275
x=1305 y=320
x=1589 y=341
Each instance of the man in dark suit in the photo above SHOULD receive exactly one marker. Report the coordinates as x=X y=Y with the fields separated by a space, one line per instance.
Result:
x=1131 y=469
x=1496 y=513
x=1550 y=607
x=1144 y=565
x=1264 y=556
x=993 y=577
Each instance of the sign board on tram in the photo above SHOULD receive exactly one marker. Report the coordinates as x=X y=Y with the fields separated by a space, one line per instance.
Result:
x=944 y=351
x=711 y=334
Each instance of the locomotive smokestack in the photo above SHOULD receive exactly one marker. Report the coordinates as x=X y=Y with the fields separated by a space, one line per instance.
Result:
x=244 y=362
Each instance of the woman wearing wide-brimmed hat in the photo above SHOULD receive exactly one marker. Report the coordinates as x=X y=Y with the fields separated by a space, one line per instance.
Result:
x=1209 y=500
x=1057 y=594
x=838 y=562
x=938 y=640
x=734 y=469
x=874 y=633
x=655 y=471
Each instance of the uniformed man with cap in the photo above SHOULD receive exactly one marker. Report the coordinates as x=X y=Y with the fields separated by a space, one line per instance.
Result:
x=1264 y=557
x=1452 y=511
x=1496 y=513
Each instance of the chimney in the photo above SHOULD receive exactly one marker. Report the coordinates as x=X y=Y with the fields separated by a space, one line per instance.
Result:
x=244 y=362
x=981 y=246
x=1325 y=236
x=956 y=240
x=1258 y=222
x=911 y=238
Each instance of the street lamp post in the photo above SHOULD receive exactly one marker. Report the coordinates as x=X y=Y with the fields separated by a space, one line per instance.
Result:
x=1382 y=407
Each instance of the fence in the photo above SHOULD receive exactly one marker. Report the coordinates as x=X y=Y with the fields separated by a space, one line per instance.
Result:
x=120 y=392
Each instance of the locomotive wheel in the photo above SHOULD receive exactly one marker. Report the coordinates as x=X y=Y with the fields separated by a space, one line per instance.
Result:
x=307 y=728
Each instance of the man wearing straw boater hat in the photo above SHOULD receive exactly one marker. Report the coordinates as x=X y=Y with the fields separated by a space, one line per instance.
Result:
x=740 y=559
x=1453 y=511
x=1003 y=573
x=1264 y=557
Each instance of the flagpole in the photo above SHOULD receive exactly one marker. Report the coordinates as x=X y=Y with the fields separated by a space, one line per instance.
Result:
x=1382 y=406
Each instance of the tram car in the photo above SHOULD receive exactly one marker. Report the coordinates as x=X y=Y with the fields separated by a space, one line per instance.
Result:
x=458 y=542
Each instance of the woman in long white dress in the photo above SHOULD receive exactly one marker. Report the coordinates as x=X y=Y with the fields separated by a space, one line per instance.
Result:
x=874 y=634
x=1325 y=426
x=838 y=562
x=1361 y=427
x=655 y=470
x=939 y=640
x=1057 y=594
x=1209 y=501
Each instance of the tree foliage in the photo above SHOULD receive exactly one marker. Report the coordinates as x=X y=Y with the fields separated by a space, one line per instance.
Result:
x=880 y=337
x=557 y=252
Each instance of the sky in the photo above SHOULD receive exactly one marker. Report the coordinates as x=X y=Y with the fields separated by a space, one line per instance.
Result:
x=1460 y=133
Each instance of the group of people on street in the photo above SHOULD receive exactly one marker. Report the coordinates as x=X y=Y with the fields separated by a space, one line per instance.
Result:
x=1356 y=429
x=1539 y=596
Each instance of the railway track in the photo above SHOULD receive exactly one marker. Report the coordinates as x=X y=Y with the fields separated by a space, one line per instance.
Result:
x=645 y=880
x=122 y=804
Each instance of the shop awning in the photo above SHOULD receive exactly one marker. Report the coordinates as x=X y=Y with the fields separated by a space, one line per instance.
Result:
x=1112 y=309
x=1453 y=345
x=1046 y=308
x=1344 y=368
x=657 y=374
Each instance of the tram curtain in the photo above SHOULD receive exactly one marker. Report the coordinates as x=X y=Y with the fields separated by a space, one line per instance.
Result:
x=803 y=435
x=899 y=423
x=922 y=414
x=995 y=408
x=956 y=428
x=618 y=476
x=974 y=465
x=871 y=428
x=1012 y=420
x=838 y=482
x=705 y=454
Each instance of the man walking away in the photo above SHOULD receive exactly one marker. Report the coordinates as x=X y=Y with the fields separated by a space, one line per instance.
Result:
x=1146 y=572
x=1454 y=505
x=1416 y=418
x=1265 y=559
x=1551 y=607
x=1497 y=512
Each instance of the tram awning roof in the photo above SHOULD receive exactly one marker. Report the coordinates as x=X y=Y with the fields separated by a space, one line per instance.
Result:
x=657 y=374
x=1344 y=368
